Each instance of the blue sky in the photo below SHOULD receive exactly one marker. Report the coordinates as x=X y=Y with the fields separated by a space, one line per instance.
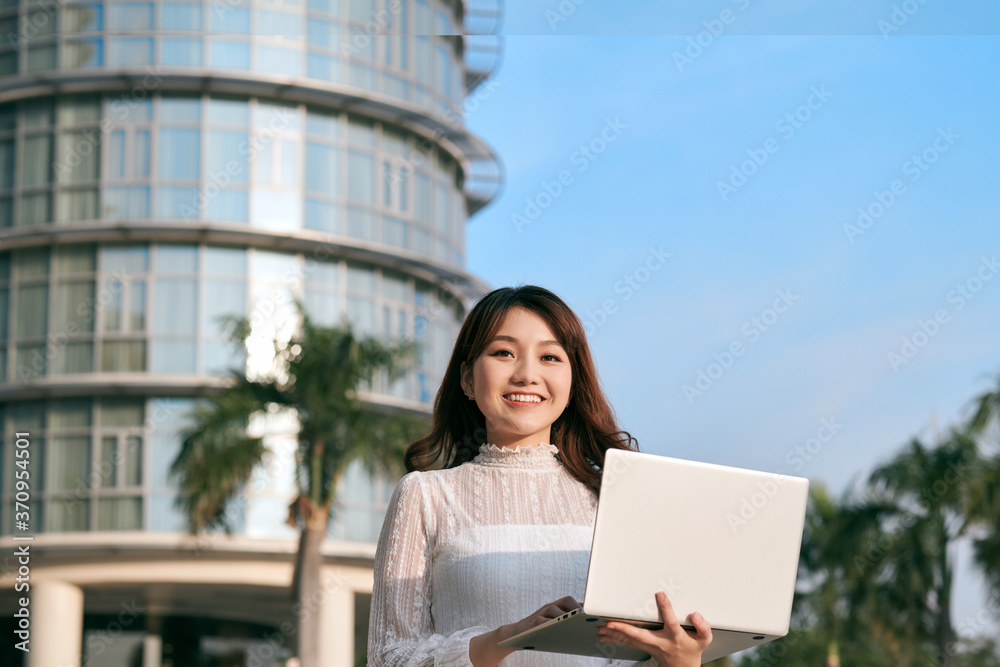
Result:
x=752 y=17
x=815 y=127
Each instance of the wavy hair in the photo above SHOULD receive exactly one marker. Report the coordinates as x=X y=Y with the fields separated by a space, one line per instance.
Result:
x=585 y=430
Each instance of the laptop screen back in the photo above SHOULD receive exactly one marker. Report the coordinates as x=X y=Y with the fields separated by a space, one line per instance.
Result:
x=719 y=540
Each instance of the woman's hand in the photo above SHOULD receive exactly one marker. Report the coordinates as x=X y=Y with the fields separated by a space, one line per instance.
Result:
x=673 y=646
x=544 y=614
x=483 y=649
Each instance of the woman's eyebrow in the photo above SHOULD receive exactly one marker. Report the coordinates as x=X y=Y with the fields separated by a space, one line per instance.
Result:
x=512 y=339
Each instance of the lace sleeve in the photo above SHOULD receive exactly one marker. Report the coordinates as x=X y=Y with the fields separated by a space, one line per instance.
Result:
x=400 y=631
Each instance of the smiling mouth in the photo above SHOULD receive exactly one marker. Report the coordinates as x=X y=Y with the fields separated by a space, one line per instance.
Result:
x=523 y=398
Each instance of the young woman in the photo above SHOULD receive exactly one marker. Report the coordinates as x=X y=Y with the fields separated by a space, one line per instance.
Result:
x=494 y=522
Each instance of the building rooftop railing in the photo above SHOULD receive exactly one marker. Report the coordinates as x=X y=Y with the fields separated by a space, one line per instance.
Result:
x=483 y=41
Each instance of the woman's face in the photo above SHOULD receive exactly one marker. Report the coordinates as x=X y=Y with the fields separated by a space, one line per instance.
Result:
x=521 y=381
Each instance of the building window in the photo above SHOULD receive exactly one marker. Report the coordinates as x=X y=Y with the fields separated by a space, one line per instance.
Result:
x=118 y=467
x=175 y=322
x=123 y=203
x=321 y=216
x=360 y=177
x=130 y=51
x=276 y=60
x=228 y=19
x=127 y=17
x=229 y=54
x=180 y=151
x=178 y=51
x=82 y=53
x=279 y=24
x=322 y=172
x=181 y=17
x=82 y=18
x=227 y=156
x=124 y=279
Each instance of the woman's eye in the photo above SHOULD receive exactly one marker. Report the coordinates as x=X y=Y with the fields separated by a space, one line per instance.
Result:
x=551 y=357
x=501 y=353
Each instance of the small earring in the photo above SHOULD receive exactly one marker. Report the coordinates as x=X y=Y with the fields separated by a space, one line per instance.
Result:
x=471 y=397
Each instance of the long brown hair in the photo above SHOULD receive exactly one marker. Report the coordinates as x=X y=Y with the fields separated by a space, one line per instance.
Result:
x=585 y=430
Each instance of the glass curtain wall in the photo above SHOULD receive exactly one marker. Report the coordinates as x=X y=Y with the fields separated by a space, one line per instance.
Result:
x=242 y=162
x=165 y=308
x=103 y=465
x=407 y=50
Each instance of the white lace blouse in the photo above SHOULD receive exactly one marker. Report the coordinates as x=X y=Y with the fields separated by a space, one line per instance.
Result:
x=468 y=549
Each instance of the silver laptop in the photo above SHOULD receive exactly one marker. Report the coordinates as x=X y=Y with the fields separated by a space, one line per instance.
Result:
x=719 y=540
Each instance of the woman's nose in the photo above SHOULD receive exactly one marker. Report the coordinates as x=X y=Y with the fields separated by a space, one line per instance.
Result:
x=525 y=371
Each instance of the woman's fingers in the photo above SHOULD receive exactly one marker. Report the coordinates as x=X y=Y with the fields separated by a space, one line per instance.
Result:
x=552 y=611
x=540 y=616
x=673 y=640
x=702 y=627
x=557 y=608
x=621 y=633
x=667 y=611
x=567 y=603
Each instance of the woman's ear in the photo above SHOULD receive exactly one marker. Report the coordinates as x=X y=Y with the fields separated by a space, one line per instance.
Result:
x=465 y=378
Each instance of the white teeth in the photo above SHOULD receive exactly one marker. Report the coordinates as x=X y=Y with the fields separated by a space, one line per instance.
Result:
x=524 y=398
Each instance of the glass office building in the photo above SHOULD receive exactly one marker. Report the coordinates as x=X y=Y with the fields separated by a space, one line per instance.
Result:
x=165 y=166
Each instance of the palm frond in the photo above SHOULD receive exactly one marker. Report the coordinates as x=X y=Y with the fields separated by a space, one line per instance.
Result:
x=986 y=410
x=217 y=456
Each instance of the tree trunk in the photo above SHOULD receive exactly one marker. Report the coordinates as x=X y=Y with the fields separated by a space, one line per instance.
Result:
x=307 y=593
x=832 y=654
x=945 y=634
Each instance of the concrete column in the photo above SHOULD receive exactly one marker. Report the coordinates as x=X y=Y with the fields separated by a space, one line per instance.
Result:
x=56 y=624
x=336 y=640
x=152 y=650
x=152 y=643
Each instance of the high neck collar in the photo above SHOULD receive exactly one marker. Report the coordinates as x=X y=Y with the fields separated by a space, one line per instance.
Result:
x=539 y=457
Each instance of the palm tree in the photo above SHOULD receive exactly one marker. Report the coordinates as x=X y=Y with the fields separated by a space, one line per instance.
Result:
x=823 y=567
x=317 y=375
x=987 y=410
x=984 y=501
x=916 y=508
x=831 y=623
x=834 y=604
x=876 y=567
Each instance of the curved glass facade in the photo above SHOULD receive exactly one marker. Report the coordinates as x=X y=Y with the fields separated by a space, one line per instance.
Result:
x=406 y=49
x=156 y=310
x=168 y=166
x=102 y=313
x=107 y=309
x=230 y=162
x=101 y=464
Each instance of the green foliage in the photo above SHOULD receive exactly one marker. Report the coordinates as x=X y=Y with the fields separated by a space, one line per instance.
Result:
x=986 y=411
x=978 y=652
x=808 y=648
x=984 y=497
x=876 y=570
x=320 y=374
x=217 y=456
